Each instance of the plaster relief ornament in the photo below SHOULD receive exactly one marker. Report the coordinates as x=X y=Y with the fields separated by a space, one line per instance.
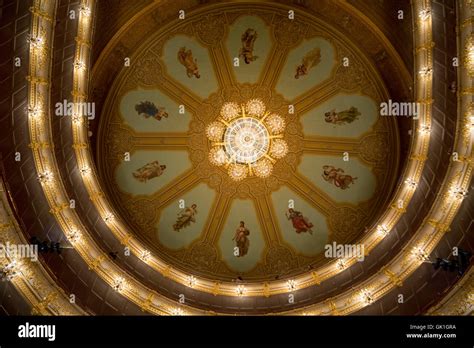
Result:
x=185 y=57
x=149 y=171
x=299 y=221
x=342 y=117
x=310 y=60
x=337 y=177
x=148 y=109
x=246 y=139
x=241 y=239
x=248 y=40
x=185 y=218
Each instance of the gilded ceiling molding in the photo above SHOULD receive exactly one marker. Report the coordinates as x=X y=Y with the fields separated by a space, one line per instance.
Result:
x=377 y=233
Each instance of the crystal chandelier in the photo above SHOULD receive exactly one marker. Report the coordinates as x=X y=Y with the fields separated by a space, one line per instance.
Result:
x=246 y=139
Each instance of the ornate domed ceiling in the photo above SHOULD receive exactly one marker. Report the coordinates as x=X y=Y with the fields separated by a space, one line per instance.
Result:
x=235 y=148
x=154 y=152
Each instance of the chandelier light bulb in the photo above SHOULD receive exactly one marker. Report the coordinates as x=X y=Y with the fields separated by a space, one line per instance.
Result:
x=279 y=148
x=275 y=123
x=238 y=171
x=255 y=107
x=263 y=168
x=215 y=131
x=217 y=156
x=230 y=111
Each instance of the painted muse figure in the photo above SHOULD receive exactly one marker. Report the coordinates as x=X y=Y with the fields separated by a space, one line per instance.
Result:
x=241 y=239
x=337 y=177
x=185 y=217
x=149 y=171
x=148 y=109
x=300 y=222
x=248 y=40
x=310 y=60
x=187 y=60
x=342 y=117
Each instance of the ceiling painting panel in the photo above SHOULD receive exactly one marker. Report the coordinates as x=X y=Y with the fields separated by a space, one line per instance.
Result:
x=249 y=40
x=182 y=221
x=153 y=111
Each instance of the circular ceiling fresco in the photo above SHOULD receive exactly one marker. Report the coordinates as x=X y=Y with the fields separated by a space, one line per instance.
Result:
x=243 y=200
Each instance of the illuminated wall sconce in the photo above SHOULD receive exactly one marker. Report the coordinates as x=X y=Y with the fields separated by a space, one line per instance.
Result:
x=458 y=193
x=86 y=170
x=10 y=271
x=109 y=217
x=45 y=177
x=340 y=264
x=240 y=290
x=177 y=312
x=76 y=118
x=36 y=42
x=411 y=183
x=425 y=129
x=74 y=236
x=119 y=284
x=79 y=65
x=86 y=11
x=424 y=14
x=145 y=255
x=382 y=230
x=426 y=72
x=420 y=254
x=366 y=296
x=191 y=281
x=291 y=285
x=34 y=112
